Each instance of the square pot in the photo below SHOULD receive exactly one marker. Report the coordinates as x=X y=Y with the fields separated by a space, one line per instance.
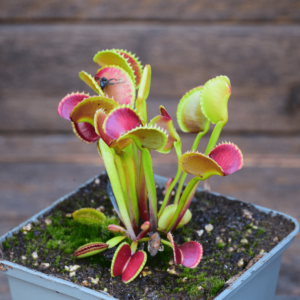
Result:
x=258 y=282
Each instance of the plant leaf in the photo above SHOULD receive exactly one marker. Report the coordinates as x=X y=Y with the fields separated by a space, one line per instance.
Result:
x=120 y=259
x=228 y=156
x=108 y=158
x=143 y=93
x=147 y=137
x=121 y=120
x=176 y=251
x=134 y=266
x=90 y=81
x=99 y=118
x=111 y=57
x=214 y=98
x=135 y=64
x=86 y=109
x=189 y=114
x=199 y=165
x=165 y=122
x=191 y=253
x=67 y=104
x=115 y=228
x=85 y=132
x=90 y=249
x=88 y=216
x=123 y=89
x=183 y=204
x=167 y=216
x=115 y=241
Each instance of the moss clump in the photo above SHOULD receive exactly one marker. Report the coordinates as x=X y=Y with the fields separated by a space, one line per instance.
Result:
x=260 y=231
x=6 y=245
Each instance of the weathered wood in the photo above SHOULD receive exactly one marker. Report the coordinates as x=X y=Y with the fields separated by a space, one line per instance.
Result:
x=40 y=64
x=191 y=10
x=251 y=112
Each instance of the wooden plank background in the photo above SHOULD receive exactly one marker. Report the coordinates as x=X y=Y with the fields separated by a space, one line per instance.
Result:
x=44 y=44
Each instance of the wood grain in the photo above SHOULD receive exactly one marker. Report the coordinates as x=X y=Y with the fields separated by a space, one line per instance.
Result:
x=40 y=64
x=189 y=10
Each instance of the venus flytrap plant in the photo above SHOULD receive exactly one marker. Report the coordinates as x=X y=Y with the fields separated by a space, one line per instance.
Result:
x=117 y=121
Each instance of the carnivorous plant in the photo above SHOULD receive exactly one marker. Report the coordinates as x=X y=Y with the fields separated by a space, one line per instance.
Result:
x=116 y=120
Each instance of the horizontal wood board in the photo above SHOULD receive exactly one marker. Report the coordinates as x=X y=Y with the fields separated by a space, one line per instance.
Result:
x=40 y=65
x=166 y=10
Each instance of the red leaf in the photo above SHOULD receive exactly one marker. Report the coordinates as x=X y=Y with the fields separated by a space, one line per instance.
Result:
x=134 y=266
x=67 y=104
x=85 y=132
x=228 y=156
x=192 y=253
x=123 y=89
x=177 y=252
x=122 y=255
x=121 y=120
x=164 y=113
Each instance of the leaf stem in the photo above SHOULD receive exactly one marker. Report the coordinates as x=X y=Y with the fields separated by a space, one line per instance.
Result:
x=194 y=148
x=108 y=158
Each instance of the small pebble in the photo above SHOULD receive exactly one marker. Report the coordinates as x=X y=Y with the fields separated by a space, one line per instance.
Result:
x=200 y=232
x=85 y=283
x=254 y=227
x=184 y=279
x=97 y=181
x=275 y=239
x=72 y=274
x=160 y=202
x=223 y=230
x=105 y=290
x=240 y=263
x=171 y=262
x=244 y=241
x=164 y=191
x=247 y=214
x=94 y=280
x=101 y=208
x=173 y=193
x=200 y=288
x=172 y=270
x=44 y=265
x=146 y=273
x=34 y=255
x=241 y=249
x=23 y=257
x=68 y=215
x=261 y=251
x=74 y=268
x=92 y=201
x=209 y=227
x=36 y=263
x=230 y=250
x=48 y=222
x=67 y=268
x=146 y=290
x=105 y=197
x=229 y=240
x=28 y=227
x=235 y=246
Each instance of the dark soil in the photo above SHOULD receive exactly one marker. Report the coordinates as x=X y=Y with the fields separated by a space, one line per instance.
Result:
x=240 y=233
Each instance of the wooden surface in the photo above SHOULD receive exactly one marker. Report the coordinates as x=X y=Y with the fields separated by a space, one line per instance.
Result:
x=44 y=45
x=187 y=10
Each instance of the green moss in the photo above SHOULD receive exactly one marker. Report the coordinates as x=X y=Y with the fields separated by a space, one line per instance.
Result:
x=6 y=245
x=259 y=231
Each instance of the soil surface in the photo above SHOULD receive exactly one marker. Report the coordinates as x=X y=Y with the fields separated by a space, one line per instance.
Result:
x=234 y=235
